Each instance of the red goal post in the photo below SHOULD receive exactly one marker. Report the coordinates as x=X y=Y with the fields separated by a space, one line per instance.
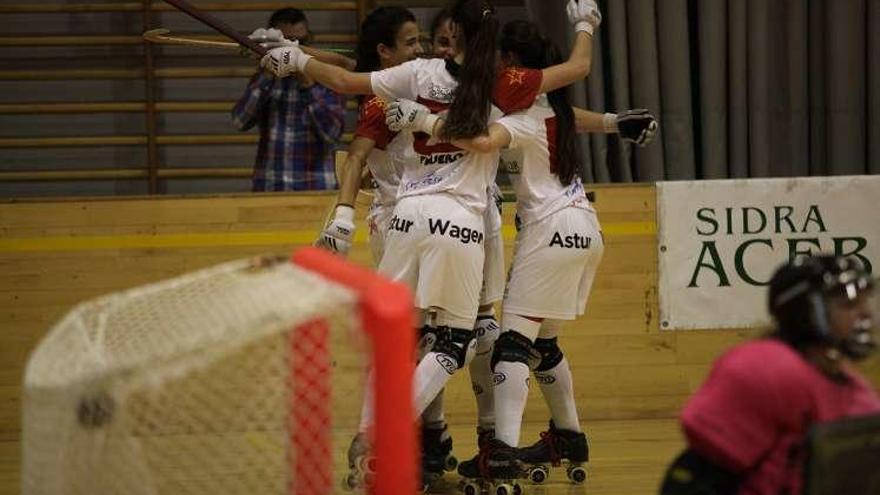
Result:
x=387 y=315
x=246 y=377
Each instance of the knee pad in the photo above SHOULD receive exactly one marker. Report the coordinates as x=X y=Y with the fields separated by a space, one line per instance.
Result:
x=427 y=341
x=486 y=332
x=513 y=347
x=551 y=354
x=456 y=343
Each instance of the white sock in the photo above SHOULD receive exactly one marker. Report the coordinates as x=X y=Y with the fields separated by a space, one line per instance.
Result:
x=433 y=416
x=511 y=393
x=480 y=369
x=512 y=382
x=556 y=386
x=431 y=377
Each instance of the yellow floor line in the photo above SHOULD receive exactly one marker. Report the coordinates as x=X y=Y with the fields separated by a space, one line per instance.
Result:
x=220 y=239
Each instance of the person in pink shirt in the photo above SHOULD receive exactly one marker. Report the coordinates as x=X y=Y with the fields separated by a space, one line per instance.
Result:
x=746 y=426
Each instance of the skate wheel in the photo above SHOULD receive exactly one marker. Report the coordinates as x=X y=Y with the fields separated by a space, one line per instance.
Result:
x=350 y=482
x=539 y=474
x=577 y=474
x=471 y=488
x=368 y=464
x=504 y=489
x=450 y=463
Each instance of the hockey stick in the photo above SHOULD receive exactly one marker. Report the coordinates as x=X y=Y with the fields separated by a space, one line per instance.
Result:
x=217 y=25
x=164 y=37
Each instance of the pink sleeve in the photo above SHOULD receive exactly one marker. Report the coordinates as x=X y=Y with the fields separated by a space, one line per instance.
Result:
x=734 y=417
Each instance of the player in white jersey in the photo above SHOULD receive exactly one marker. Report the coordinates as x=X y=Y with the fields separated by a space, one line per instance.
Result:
x=637 y=126
x=486 y=329
x=389 y=36
x=558 y=250
x=437 y=229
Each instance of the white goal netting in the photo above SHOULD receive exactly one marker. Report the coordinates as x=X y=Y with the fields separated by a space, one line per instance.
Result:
x=244 y=378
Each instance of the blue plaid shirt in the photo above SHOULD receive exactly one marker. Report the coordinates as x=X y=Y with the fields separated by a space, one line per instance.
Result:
x=299 y=131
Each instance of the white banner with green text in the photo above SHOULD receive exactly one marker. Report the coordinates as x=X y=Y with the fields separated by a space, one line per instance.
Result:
x=721 y=240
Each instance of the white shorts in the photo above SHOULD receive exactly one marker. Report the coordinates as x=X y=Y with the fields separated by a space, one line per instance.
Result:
x=435 y=246
x=378 y=219
x=554 y=263
x=493 y=268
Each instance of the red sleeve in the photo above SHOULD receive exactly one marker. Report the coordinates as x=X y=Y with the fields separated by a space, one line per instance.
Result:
x=516 y=88
x=371 y=123
x=739 y=412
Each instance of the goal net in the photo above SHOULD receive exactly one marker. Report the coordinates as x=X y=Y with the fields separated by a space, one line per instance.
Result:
x=244 y=378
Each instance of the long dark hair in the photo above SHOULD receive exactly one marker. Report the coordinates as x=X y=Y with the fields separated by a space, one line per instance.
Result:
x=289 y=15
x=440 y=17
x=380 y=26
x=478 y=28
x=522 y=39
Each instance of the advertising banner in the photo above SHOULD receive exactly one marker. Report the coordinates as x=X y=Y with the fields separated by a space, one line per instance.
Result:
x=721 y=240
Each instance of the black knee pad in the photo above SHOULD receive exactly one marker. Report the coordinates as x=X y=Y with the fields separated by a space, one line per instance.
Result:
x=427 y=341
x=512 y=347
x=551 y=354
x=455 y=342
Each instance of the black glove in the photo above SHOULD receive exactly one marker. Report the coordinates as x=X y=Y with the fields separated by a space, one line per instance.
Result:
x=637 y=126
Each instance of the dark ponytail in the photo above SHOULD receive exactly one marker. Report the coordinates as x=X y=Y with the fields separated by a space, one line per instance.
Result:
x=478 y=28
x=380 y=26
x=523 y=40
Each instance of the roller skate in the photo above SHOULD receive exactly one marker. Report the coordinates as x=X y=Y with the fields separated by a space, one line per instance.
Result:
x=361 y=469
x=484 y=435
x=495 y=471
x=555 y=446
x=437 y=456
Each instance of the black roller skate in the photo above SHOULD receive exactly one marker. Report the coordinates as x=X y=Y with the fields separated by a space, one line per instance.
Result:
x=470 y=466
x=495 y=471
x=555 y=446
x=361 y=468
x=437 y=455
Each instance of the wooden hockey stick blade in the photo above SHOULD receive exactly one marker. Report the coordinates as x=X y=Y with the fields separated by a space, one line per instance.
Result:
x=163 y=37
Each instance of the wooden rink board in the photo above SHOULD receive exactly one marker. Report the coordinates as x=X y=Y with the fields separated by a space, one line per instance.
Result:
x=631 y=379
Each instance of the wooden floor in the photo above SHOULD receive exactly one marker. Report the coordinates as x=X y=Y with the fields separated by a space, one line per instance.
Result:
x=631 y=377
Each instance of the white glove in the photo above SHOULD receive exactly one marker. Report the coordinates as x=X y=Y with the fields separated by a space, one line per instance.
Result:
x=270 y=38
x=286 y=60
x=636 y=126
x=584 y=15
x=339 y=234
x=407 y=115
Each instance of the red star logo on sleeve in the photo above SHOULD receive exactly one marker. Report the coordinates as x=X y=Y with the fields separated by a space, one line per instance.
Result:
x=515 y=76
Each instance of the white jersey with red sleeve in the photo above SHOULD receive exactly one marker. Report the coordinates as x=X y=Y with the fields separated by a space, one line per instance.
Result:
x=436 y=167
x=385 y=161
x=530 y=159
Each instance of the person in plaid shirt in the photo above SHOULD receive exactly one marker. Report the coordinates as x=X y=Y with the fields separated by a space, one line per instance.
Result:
x=300 y=122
